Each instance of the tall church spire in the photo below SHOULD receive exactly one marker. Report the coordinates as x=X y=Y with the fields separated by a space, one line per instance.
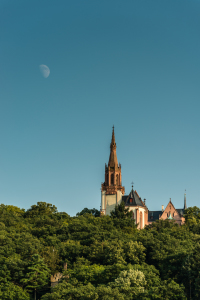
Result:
x=113 y=162
x=113 y=181
x=185 y=205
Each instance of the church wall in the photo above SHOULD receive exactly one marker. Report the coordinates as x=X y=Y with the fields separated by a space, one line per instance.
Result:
x=111 y=201
x=146 y=218
x=108 y=202
x=119 y=197
x=103 y=202
x=136 y=211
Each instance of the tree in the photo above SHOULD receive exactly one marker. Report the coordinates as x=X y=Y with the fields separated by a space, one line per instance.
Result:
x=42 y=208
x=131 y=283
x=86 y=273
x=74 y=291
x=161 y=225
x=51 y=258
x=99 y=252
x=120 y=212
x=37 y=275
x=95 y=212
x=10 y=291
x=108 y=293
x=123 y=218
x=135 y=252
x=171 y=290
x=14 y=210
x=192 y=215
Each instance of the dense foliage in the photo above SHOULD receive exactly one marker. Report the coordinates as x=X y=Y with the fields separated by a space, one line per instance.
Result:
x=107 y=257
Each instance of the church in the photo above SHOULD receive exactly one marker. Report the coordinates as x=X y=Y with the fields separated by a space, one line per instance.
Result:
x=113 y=193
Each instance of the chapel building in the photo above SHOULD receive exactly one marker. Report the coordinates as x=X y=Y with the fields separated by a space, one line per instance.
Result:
x=113 y=193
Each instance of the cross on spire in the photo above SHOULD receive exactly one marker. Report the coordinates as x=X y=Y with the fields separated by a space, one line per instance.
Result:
x=132 y=184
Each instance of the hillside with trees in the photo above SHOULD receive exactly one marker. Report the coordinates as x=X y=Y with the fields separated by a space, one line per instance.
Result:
x=107 y=257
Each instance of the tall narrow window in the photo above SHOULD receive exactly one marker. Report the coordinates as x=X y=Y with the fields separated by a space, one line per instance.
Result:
x=141 y=223
x=112 y=179
x=117 y=179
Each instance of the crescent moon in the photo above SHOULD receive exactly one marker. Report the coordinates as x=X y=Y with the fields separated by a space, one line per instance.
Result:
x=44 y=70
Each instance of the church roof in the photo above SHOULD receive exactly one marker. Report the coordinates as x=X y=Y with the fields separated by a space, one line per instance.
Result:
x=154 y=215
x=133 y=199
x=180 y=211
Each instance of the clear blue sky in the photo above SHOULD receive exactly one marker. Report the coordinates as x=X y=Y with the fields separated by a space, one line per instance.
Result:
x=134 y=64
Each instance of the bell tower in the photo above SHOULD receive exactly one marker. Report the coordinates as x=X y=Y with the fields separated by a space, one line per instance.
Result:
x=112 y=189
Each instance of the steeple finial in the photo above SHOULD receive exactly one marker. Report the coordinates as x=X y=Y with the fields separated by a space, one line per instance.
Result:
x=113 y=135
x=185 y=205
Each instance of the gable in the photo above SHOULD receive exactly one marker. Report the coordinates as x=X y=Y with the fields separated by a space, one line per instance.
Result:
x=170 y=209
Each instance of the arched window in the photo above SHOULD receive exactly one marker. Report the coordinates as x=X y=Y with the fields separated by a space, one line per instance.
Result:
x=141 y=223
x=112 y=179
x=117 y=179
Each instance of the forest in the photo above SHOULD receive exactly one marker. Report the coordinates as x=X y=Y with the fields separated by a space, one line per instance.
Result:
x=107 y=257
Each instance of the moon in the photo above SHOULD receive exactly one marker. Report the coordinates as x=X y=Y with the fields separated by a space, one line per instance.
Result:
x=44 y=70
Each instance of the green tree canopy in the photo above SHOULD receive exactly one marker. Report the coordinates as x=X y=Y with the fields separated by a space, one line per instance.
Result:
x=37 y=275
x=192 y=215
x=42 y=208
x=95 y=212
x=120 y=212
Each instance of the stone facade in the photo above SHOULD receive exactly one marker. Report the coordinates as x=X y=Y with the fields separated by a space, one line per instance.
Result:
x=57 y=277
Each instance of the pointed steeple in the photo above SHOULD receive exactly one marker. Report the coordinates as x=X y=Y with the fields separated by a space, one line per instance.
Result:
x=185 y=205
x=113 y=136
x=133 y=199
x=113 y=179
x=113 y=162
